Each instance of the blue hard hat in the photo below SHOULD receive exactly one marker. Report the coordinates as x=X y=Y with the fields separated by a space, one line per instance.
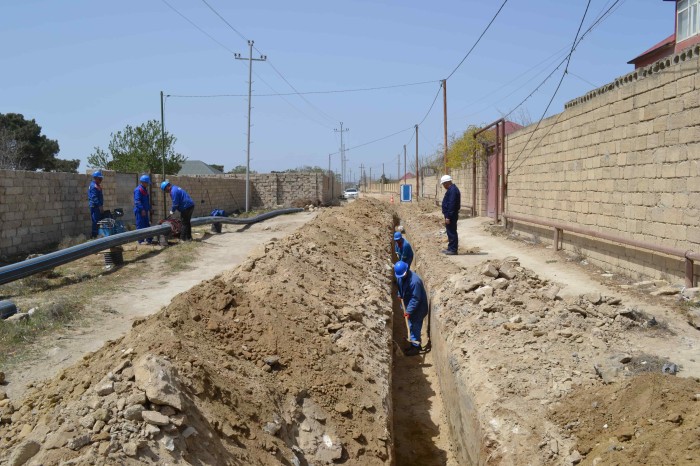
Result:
x=164 y=184
x=397 y=236
x=400 y=269
x=145 y=179
x=97 y=174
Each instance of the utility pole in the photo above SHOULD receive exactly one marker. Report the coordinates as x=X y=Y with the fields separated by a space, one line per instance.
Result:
x=370 y=177
x=444 y=110
x=330 y=180
x=250 y=92
x=398 y=171
x=417 y=178
x=162 y=142
x=404 y=165
x=342 y=154
x=362 y=168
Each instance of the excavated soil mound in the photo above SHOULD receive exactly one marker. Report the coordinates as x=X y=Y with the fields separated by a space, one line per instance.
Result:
x=284 y=360
x=515 y=352
x=651 y=419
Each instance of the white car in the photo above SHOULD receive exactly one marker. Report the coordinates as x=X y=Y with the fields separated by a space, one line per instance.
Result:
x=351 y=193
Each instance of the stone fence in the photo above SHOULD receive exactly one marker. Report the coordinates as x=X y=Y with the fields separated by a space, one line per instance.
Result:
x=38 y=210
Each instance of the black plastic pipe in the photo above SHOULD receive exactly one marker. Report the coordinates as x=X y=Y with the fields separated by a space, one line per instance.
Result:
x=29 y=267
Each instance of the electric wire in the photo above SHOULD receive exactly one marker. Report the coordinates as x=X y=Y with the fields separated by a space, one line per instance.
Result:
x=198 y=28
x=479 y=39
x=224 y=20
x=563 y=75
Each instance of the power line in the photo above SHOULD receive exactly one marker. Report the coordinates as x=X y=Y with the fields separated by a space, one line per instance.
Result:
x=199 y=28
x=479 y=39
x=227 y=23
x=563 y=75
x=376 y=140
x=431 y=105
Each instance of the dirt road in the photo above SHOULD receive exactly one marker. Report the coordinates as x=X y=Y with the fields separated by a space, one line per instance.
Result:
x=151 y=289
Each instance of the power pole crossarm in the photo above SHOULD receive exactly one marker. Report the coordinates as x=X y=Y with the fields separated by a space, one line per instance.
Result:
x=250 y=91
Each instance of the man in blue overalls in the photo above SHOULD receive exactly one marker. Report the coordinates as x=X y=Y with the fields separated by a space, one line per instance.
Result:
x=451 y=204
x=403 y=249
x=415 y=302
x=142 y=206
x=183 y=203
x=95 y=201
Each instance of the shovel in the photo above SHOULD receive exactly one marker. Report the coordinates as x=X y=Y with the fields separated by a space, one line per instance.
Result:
x=408 y=328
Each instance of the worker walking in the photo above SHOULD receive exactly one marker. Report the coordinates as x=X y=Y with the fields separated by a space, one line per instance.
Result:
x=95 y=201
x=415 y=304
x=183 y=203
x=451 y=203
x=403 y=249
x=142 y=206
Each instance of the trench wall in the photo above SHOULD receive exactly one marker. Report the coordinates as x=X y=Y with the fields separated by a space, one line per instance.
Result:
x=38 y=210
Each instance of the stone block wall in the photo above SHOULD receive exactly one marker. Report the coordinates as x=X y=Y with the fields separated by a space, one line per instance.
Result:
x=624 y=160
x=38 y=210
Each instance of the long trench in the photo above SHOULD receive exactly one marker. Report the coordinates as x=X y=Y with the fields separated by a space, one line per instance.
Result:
x=421 y=434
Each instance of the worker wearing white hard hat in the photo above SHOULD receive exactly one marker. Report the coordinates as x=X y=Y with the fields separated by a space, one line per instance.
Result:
x=451 y=204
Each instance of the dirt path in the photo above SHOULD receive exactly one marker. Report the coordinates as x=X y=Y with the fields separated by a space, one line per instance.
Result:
x=144 y=296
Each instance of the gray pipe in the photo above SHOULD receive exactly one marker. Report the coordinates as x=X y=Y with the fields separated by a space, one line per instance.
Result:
x=29 y=267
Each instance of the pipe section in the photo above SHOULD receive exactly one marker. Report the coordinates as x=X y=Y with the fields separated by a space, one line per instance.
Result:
x=29 y=267
x=689 y=256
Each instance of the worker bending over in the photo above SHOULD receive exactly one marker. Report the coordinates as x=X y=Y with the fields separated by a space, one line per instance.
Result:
x=415 y=303
x=403 y=249
x=183 y=203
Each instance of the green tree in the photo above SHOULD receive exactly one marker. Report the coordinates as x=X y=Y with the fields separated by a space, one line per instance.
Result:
x=240 y=170
x=23 y=147
x=306 y=169
x=139 y=149
x=218 y=167
x=462 y=149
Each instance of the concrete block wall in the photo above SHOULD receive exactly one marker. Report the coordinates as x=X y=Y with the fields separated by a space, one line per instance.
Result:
x=624 y=160
x=283 y=189
x=40 y=209
x=208 y=192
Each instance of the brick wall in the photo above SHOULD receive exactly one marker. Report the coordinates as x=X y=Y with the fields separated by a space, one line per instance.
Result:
x=623 y=160
x=38 y=210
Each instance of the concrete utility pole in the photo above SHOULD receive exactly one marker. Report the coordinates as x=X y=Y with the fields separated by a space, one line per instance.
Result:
x=162 y=143
x=250 y=92
x=417 y=170
x=404 y=164
x=362 y=167
x=342 y=154
x=330 y=180
x=444 y=107
x=370 y=177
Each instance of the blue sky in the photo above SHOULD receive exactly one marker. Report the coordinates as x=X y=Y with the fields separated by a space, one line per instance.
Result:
x=84 y=69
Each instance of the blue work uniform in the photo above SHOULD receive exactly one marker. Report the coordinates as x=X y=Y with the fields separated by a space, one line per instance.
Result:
x=142 y=201
x=451 y=204
x=405 y=252
x=95 y=201
x=183 y=203
x=415 y=301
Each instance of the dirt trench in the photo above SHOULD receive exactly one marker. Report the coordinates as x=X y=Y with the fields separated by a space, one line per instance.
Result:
x=283 y=360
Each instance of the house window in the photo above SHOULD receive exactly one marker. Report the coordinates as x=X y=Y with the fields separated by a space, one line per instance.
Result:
x=688 y=19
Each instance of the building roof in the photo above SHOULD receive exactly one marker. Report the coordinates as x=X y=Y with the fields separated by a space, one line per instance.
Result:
x=667 y=43
x=197 y=167
x=408 y=176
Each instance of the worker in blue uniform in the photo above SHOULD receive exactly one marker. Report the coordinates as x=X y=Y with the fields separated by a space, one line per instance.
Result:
x=403 y=249
x=142 y=206
x=95 y=201
x=415 y=303
x=183 y=203
x=451 y=203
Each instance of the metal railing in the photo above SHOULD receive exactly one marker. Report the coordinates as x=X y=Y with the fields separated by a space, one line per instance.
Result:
x=559 y=228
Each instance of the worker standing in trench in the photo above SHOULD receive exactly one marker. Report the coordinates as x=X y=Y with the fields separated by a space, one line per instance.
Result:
x=183 y=203
x=403 y=249
x=415 y=304
x=95 y=201
x=142 y=205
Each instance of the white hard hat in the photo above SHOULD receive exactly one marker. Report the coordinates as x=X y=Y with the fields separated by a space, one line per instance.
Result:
x=445 y=179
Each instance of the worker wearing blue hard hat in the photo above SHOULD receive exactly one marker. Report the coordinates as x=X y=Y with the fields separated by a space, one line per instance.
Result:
x=95 y=201
x=415 y=303
x=403 y=249
x=142 y=206
x=183 y=203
